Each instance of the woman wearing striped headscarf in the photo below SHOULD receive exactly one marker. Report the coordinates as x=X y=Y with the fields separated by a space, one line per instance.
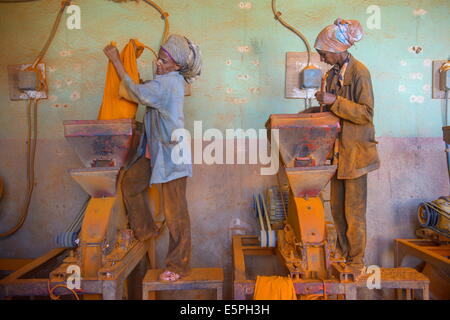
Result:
x=179 y=61
x=349 y=96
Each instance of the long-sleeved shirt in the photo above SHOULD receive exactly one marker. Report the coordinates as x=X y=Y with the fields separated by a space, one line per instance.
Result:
x=355 y=106
x=164 y=98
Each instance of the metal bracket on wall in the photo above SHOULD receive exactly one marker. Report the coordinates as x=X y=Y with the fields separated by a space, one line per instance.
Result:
x=13 y=80
x=295 y=62
x=437 y=93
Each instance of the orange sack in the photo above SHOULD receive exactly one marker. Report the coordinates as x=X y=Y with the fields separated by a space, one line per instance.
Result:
x=113 y=106
x=274 y=288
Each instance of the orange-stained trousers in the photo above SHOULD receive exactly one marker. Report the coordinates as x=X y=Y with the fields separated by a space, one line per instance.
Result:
x=136 y=179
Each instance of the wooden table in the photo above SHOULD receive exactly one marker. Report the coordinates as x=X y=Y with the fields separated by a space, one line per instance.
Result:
x=199 y=278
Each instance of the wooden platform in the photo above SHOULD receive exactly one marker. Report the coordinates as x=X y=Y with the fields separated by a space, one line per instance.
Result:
x=244 y=287
x=434 y=250
x=427 y=250
x=22 y=282
x=403 y=279
x=199 y=278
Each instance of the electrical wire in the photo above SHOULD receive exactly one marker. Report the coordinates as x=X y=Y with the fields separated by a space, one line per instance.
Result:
x=447 y=146
x=294 y=30
x=32 y=128
x=164 y=16
x=32 y=133
x=54 y=296
x=64 y=4
x=17 y=1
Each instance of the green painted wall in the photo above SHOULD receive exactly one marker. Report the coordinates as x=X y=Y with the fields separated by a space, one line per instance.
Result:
x=221 y=98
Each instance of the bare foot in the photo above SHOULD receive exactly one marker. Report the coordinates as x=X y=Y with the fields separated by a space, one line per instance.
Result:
x=169 y=276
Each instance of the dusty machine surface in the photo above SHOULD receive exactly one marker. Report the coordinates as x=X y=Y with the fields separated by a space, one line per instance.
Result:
x=104 y=147
x=307 y=242
x=107 y=251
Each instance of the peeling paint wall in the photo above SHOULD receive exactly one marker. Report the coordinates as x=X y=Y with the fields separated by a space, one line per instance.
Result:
x=241 y=84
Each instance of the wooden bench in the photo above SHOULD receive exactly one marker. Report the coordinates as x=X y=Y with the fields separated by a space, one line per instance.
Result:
x=402 y=279
x=199 y=278
x=407 y=279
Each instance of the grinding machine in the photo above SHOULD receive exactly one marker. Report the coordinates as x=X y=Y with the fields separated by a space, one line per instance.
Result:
x=106 y=247
x=307 y=244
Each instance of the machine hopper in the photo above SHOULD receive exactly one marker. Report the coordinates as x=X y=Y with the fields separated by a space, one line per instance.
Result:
x=305 y=141
x=104 y=147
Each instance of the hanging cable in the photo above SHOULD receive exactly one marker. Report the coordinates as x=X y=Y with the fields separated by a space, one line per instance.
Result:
x=297 y=32
x=56 y=297
x=33 y=129
x=64 y=4
x=31 y=150
x=164 y=16
x=17 y=1
x=447 y=146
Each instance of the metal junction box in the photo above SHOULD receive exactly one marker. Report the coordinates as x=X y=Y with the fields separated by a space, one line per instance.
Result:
x=310 y=78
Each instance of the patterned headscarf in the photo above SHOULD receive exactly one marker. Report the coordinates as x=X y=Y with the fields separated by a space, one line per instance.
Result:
x=186 y=54
x=340 y=36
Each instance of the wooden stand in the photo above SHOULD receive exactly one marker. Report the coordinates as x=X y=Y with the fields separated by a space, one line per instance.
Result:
x=110 y=286
x=407 y=279
x=403 y=279
x=243 y=287
x=199 y=278
x=427 y=250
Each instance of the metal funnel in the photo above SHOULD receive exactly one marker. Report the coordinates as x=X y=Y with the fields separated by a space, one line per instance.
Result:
x=305 y=141
x=97 y=182
x=309 y=181
x=104 y=147
x=305 y=138
x=103 y=143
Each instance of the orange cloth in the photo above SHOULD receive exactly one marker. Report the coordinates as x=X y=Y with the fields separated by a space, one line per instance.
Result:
x=274 y=288
x=113 y=106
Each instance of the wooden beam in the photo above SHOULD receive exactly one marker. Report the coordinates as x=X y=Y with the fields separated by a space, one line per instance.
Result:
x=238 y=259
x=34 y=264
x=408 y=246
x=13 y=264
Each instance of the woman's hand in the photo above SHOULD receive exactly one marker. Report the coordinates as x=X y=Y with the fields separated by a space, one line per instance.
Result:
x=112 y=53
x=325 y=97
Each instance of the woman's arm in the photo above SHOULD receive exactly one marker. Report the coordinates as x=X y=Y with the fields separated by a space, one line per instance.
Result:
x=147 y=94
x=360 y=112
x=113 y=55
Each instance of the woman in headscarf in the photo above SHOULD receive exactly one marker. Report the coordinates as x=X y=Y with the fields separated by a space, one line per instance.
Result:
x=179 y=61
x=349 y=96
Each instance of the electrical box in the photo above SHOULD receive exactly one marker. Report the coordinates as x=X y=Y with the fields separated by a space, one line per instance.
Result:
x=439 y=79
x=310 y=78
x=24 y=84
x=444 y=79
x=301 y=83
x=28 y=80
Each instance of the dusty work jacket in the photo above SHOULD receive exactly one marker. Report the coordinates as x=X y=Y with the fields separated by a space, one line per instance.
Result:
x=354 y=105
x=164 y=98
